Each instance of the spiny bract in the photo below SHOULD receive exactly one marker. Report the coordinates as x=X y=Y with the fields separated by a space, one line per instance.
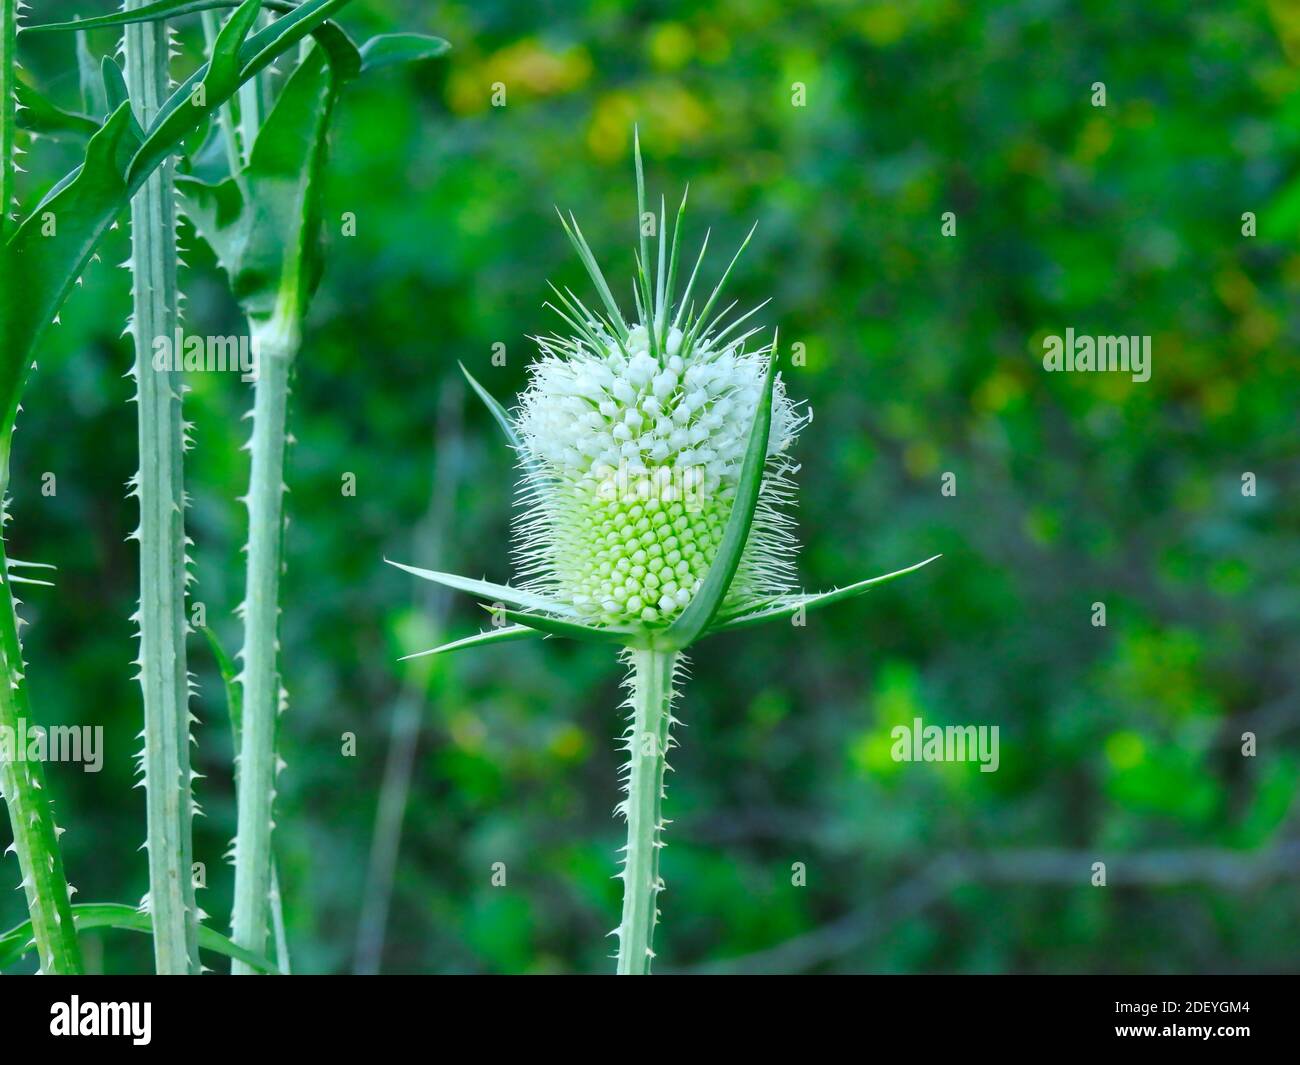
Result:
x=632 y=439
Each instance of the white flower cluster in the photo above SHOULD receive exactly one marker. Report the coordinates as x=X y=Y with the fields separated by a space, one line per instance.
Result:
x=591 y=418
x=635 y=459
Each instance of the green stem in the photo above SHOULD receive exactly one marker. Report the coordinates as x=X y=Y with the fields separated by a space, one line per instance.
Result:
x=260 y=676
x=163 y=625
x=8 y=107
x=647 y=746
x=22 y=782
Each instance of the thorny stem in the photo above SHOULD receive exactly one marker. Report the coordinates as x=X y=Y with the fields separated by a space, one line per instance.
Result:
x=163 y=577
x=647 y=746
x=22 y=783
x=260 y=675
x=8 y=108
x=230 y=138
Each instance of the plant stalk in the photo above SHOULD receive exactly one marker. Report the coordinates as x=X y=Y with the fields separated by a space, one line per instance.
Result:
x=260 y=675
x=22 y=783
x=163 y=626
x=647 y=746
x=8 y=110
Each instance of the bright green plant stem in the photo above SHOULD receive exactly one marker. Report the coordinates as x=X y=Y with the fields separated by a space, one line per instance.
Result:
x=260 y=676
x=648 y=738
x=22 y=781
x=8 y=120
x=269 y=249
x=163 y=626
x=35 y=834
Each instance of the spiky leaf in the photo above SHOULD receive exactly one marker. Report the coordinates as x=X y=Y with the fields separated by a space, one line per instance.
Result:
x=572 y=630
x=485 y=589
x=792 y=605
x=39 y=115
x=505 y=634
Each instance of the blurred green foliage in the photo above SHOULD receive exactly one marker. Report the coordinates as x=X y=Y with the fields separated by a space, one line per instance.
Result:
x=1119 y=744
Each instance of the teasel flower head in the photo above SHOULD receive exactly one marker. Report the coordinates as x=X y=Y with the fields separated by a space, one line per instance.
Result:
x=656 y=458
x=633 y=437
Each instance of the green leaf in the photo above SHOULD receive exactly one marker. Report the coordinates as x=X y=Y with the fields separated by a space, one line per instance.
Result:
x=163 y=9
x=389 y=49
x=485 y=589
x=700 y=611
x=214 y=83
x=344 y=54
x=788 y=607
x=113 y=83
x=229 y=671
x=196 y=139
x=93 y=99
x=39 y=115
x=573 y=630
x=282 y=183
x=81 y=211
x=505 y=634
x=17 y=941
x=264 y=46
x=86 y=202
x=263 y=224
x=217 y=212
